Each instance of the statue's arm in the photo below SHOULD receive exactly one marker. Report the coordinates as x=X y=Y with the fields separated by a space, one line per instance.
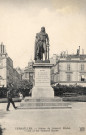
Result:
x=36 y=40
x=35 y=47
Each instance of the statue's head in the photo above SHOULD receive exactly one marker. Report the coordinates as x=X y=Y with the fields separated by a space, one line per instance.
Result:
x=43 y=29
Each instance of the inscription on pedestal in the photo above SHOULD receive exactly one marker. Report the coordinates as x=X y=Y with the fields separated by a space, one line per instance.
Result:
x=42 y=77
x=42 y=87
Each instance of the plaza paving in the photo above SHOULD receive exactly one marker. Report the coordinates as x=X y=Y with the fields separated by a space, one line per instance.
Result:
x=44 y=121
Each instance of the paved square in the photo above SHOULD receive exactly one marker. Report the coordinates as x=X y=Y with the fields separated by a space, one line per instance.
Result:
x=44 y=121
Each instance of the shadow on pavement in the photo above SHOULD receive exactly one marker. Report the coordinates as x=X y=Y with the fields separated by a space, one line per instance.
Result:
x=1 y=130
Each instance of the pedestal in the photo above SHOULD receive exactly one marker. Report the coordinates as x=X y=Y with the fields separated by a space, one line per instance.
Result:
x=42 y=87
x=42 y=92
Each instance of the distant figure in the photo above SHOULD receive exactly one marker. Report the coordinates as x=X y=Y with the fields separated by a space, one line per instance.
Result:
x=9 y=98
x=41 y=44
x=30 y=92
x=20 y=95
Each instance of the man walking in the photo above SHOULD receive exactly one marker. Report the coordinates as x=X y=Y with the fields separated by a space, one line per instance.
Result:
x=9 y=98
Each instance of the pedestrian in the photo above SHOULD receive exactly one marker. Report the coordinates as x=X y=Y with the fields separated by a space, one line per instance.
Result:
x=21 y=96
x=30 y=92
x=9 y=98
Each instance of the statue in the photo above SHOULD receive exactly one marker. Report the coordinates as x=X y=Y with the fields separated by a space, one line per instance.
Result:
x=41 y=45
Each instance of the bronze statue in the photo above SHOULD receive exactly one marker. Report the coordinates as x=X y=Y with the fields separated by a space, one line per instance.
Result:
x=41 y=45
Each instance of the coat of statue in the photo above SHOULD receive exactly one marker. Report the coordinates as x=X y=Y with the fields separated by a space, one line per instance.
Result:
x=41 y=43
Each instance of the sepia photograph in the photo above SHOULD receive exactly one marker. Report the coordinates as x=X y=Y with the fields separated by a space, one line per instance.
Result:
x=42 y=67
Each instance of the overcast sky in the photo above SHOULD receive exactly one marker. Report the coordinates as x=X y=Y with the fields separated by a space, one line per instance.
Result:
x=20 y=20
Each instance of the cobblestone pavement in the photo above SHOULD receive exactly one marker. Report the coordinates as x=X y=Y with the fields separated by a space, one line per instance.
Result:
x=44 y=121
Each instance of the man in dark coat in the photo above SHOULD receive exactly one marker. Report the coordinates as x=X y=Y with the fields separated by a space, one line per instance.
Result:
x=41 y=42
x=9 y=98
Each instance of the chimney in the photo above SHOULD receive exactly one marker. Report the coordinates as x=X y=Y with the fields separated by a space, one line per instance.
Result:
x=83 y=51
x=2 y=50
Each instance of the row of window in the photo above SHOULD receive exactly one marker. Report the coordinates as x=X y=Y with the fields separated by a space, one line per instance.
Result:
x=69 y=67
x=82 y=68
x=82 y=78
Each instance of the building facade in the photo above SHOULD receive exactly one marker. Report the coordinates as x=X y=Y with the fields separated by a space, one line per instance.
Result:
x=7 y=73
x=70 y=69
x=28 y=73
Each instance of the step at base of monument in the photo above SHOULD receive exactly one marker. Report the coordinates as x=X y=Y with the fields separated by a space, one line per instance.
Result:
x=30 y=99
x=44 y=103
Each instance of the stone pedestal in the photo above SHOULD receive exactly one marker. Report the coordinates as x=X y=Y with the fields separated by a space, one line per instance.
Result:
x=42 y=92
x=42 y=87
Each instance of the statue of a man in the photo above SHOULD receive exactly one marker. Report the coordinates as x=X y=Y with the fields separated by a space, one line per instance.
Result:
x=41 y=43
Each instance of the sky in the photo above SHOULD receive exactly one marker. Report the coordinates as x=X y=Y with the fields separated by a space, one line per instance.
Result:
x=20 y=20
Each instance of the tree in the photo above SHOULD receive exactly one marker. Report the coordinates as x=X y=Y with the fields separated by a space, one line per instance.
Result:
x=25 y=86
